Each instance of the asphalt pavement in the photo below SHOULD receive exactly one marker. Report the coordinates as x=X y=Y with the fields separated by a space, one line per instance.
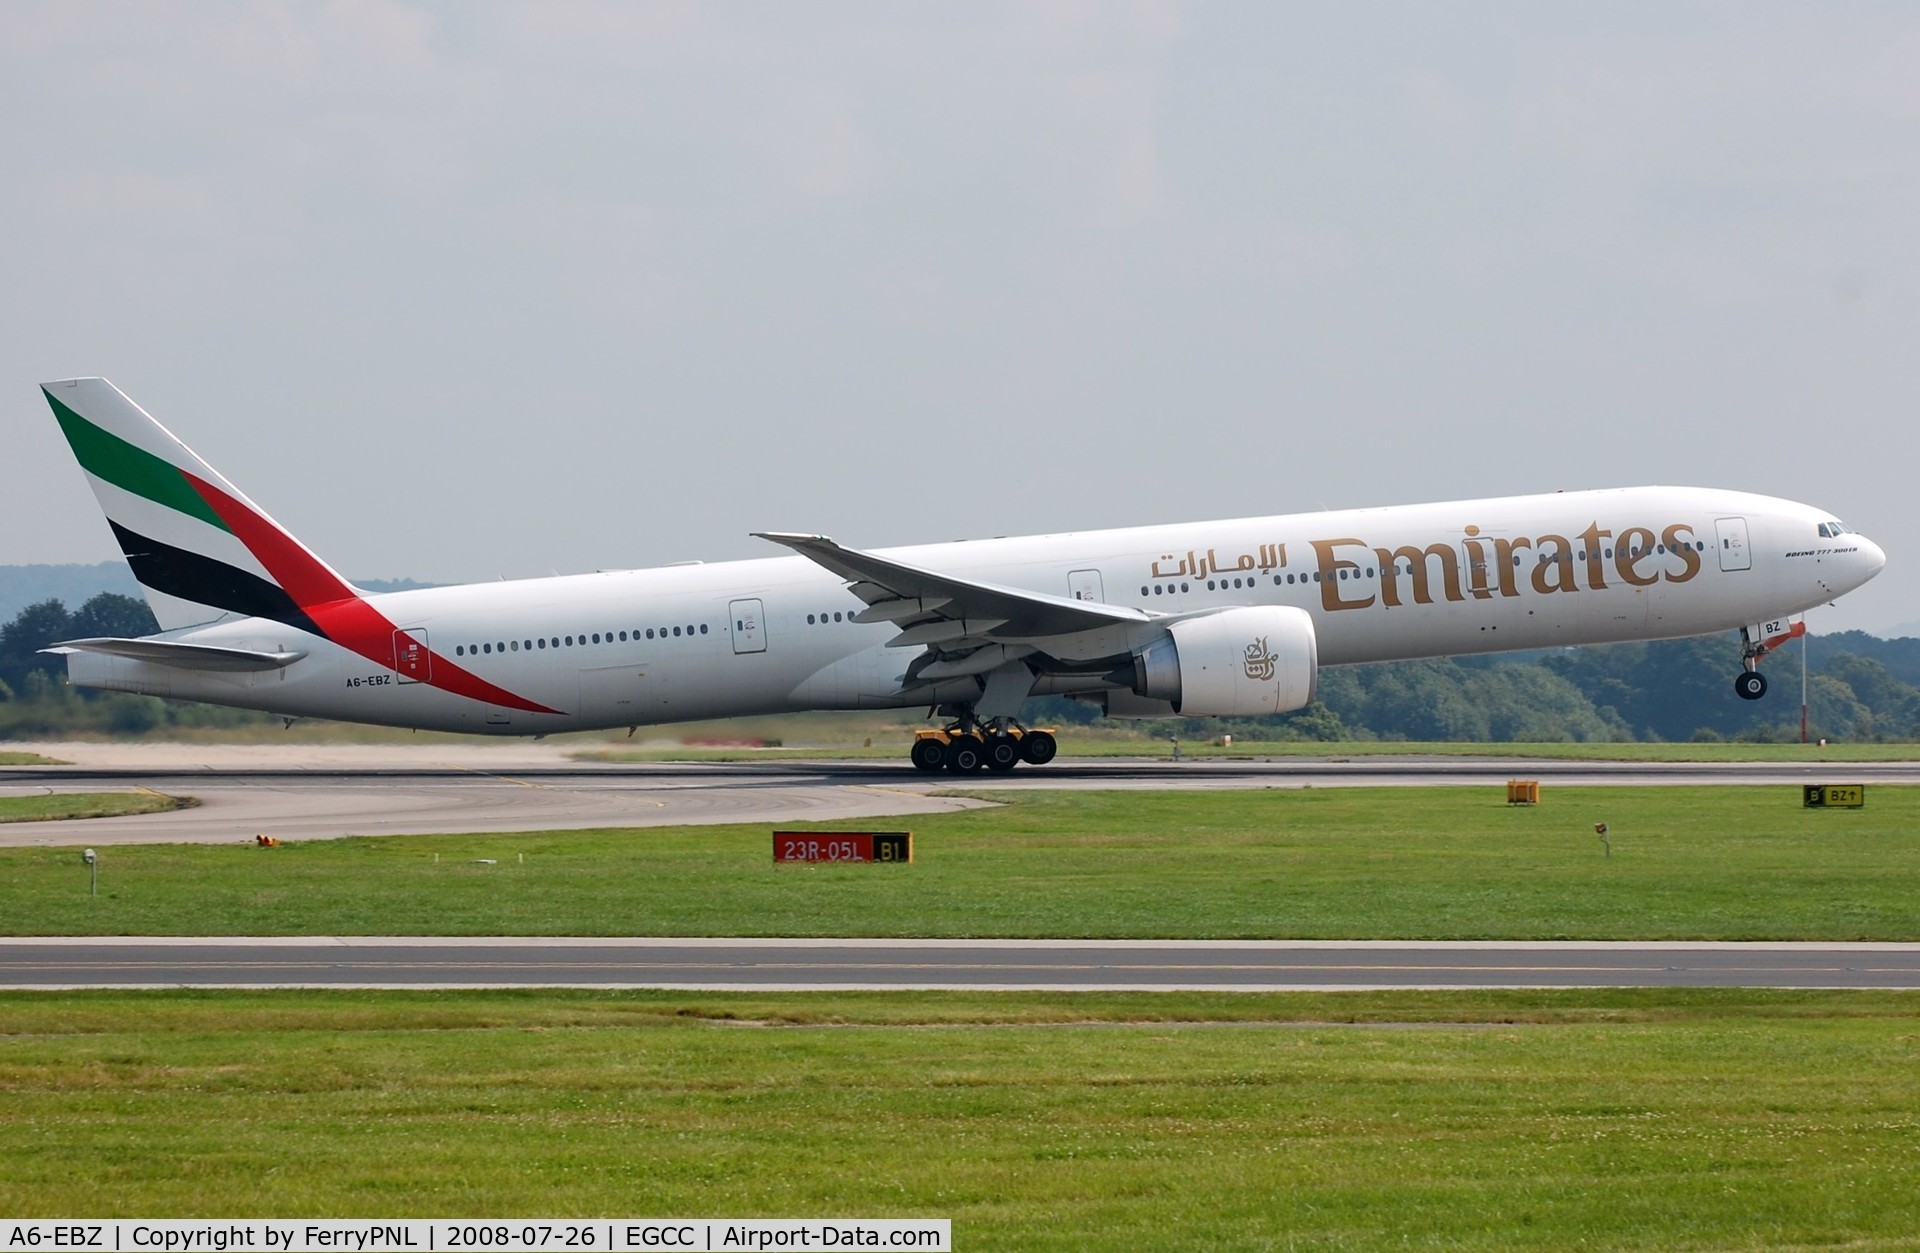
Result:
x=977 y=965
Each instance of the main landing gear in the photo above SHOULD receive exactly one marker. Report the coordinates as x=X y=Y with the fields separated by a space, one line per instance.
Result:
x=967 y=746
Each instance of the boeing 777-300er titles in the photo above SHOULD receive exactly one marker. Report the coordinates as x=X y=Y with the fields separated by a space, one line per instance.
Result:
x=1229 y=619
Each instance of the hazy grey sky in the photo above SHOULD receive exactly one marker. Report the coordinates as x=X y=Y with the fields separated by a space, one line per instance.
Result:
x=458 y=291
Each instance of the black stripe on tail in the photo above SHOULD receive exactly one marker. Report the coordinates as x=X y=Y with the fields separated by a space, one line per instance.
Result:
x=205 y=581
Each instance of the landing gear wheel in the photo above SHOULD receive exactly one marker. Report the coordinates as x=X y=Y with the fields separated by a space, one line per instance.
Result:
x=1003 y=753
x=929 y=755
x=965 y=754
x=1038 y=748
x=1750 y=685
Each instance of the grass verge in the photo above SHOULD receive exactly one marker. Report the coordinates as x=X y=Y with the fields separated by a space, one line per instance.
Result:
x=1626 y=1119
x=1714 y=863
x=59 y=805
x=28 y=759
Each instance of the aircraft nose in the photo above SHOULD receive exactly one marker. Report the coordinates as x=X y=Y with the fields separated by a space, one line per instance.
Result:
x=1873 y=557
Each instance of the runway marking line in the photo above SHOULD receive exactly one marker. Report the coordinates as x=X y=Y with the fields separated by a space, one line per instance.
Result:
x=495 y=774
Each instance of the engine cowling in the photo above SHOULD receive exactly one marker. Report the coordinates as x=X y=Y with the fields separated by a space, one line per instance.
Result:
x=1124 y=704
x=1238 y=663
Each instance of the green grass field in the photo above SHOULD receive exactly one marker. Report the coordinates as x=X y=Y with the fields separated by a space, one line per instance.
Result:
x=1644 y=1119
x=1389 y=863
x=1549 y=1120
x=27 y=759
x=85 y=805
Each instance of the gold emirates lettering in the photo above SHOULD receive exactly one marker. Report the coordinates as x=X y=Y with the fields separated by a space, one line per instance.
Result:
x=1560 y=565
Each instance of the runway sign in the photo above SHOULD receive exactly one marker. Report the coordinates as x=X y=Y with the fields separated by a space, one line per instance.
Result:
x=843 y=846
x=1833 y=795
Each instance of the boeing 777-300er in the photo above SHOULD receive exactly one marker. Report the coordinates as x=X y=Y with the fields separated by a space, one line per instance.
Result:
x=1226 y=619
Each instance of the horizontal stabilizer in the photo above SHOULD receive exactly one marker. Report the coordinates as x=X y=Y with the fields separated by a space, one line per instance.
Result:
x=182 y=656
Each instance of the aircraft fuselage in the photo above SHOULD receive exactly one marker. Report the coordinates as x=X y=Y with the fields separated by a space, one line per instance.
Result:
x=778 y=634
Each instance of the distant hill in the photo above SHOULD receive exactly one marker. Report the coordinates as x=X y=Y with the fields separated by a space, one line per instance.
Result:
x=390 y=585
x=75 y=585
x=1900 y=655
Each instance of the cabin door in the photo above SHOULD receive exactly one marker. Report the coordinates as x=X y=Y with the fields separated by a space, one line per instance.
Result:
x=1733 y=544
x=749 y=635
x=411 y=660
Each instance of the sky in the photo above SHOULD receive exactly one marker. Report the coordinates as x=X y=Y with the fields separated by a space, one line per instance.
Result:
x=478 y=290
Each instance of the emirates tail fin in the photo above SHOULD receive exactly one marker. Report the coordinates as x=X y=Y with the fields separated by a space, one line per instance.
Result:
x=200 y=549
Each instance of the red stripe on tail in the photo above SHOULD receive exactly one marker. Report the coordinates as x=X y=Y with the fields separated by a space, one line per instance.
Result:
x=335 y=607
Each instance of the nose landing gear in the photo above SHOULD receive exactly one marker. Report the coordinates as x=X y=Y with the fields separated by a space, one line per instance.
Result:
x=1756 y=642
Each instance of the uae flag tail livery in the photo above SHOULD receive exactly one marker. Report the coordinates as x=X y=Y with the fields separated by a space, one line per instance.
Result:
x=201 y=550
x=204 y=555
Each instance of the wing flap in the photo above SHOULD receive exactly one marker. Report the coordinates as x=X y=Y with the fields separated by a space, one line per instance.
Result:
x=945 y=631
x=978 y=662
x=898 y=609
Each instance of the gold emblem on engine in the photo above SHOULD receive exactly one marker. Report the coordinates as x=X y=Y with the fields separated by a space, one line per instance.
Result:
x=1260 y=662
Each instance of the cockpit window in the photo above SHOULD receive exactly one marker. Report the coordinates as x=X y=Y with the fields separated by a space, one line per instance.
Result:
x=1832 y=530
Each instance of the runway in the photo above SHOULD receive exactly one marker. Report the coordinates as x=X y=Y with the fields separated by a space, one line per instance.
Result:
x=786 y=965
x=303 y=794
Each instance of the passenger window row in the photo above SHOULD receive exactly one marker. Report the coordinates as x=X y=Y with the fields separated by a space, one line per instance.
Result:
x=1227 y=585
x=578 y=641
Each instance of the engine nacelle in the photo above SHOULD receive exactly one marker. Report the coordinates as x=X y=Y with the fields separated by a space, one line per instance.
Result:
x=1123 y=704
x=1259 y=659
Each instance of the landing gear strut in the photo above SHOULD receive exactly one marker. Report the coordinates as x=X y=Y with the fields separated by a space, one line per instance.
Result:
x=1756 y=642
x=967 y=745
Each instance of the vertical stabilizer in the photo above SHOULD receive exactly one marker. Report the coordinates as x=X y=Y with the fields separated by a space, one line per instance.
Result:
x=199 y=548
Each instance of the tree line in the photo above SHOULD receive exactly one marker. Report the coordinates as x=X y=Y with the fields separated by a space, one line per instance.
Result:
x=35 y=701
x=1859 y=687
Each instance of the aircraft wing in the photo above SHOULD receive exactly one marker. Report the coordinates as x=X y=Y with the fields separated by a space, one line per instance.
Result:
x=944 y=609
x=185 y=656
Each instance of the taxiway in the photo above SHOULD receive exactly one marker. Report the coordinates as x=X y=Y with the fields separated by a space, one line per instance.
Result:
x=301 y=794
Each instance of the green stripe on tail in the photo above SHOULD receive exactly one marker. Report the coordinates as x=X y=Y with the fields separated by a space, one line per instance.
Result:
x=107 y=456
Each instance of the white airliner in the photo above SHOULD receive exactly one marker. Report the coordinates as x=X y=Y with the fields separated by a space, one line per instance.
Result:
x=1230 y=618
